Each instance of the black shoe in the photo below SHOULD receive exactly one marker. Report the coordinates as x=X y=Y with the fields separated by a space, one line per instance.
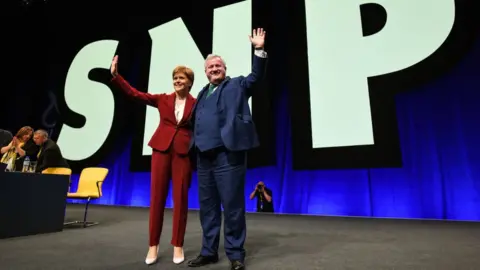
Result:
x=203 y=260
x=237 y=265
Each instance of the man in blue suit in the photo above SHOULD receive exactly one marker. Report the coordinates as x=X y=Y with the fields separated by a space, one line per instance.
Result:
x=223 y=132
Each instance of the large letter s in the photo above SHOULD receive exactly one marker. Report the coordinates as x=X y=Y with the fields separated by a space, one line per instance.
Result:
x=91 y=99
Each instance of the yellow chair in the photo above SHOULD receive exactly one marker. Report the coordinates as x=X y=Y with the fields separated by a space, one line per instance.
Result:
x=63 y=171
x=89 y=188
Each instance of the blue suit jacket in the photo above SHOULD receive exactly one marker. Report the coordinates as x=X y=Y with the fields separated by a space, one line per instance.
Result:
x=236 y=124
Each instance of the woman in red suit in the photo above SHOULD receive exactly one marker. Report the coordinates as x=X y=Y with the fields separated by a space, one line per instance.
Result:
x=170 y=145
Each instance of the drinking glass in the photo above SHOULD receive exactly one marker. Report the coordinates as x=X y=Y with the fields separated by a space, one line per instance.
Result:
x=32 y=167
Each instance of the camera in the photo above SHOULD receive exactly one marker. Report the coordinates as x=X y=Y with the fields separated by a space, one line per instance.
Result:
x=260 y=187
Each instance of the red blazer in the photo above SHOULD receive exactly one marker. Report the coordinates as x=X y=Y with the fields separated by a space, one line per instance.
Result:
x=168 y=131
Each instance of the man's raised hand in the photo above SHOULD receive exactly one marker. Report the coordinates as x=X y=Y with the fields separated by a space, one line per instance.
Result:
x=258 y=38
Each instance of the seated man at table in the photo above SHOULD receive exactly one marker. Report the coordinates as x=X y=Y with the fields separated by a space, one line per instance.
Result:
x=49 y=155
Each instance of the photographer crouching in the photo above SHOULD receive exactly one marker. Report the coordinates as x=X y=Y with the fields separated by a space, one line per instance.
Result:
x=264 y=198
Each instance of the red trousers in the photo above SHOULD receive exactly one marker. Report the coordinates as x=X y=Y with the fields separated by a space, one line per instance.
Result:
x=165 y=165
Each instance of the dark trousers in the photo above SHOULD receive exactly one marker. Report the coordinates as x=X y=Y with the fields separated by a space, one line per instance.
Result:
x=221 y=182
x=165 y=165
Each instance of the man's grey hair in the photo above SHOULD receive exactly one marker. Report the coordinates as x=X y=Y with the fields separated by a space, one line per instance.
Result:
x=211 y=56
x=42 y=132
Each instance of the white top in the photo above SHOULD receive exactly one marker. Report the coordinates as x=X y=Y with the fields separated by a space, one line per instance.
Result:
x=179 y=108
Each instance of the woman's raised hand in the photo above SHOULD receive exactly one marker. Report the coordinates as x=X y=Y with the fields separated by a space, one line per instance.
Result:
x=114 y=66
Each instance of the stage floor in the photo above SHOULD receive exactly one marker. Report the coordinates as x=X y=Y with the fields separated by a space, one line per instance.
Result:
x=274 y=242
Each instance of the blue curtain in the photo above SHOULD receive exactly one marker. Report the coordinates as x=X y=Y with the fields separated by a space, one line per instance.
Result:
x=439 y=127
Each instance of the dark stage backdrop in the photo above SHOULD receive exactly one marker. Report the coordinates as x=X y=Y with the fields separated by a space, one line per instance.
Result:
x=374 y=114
